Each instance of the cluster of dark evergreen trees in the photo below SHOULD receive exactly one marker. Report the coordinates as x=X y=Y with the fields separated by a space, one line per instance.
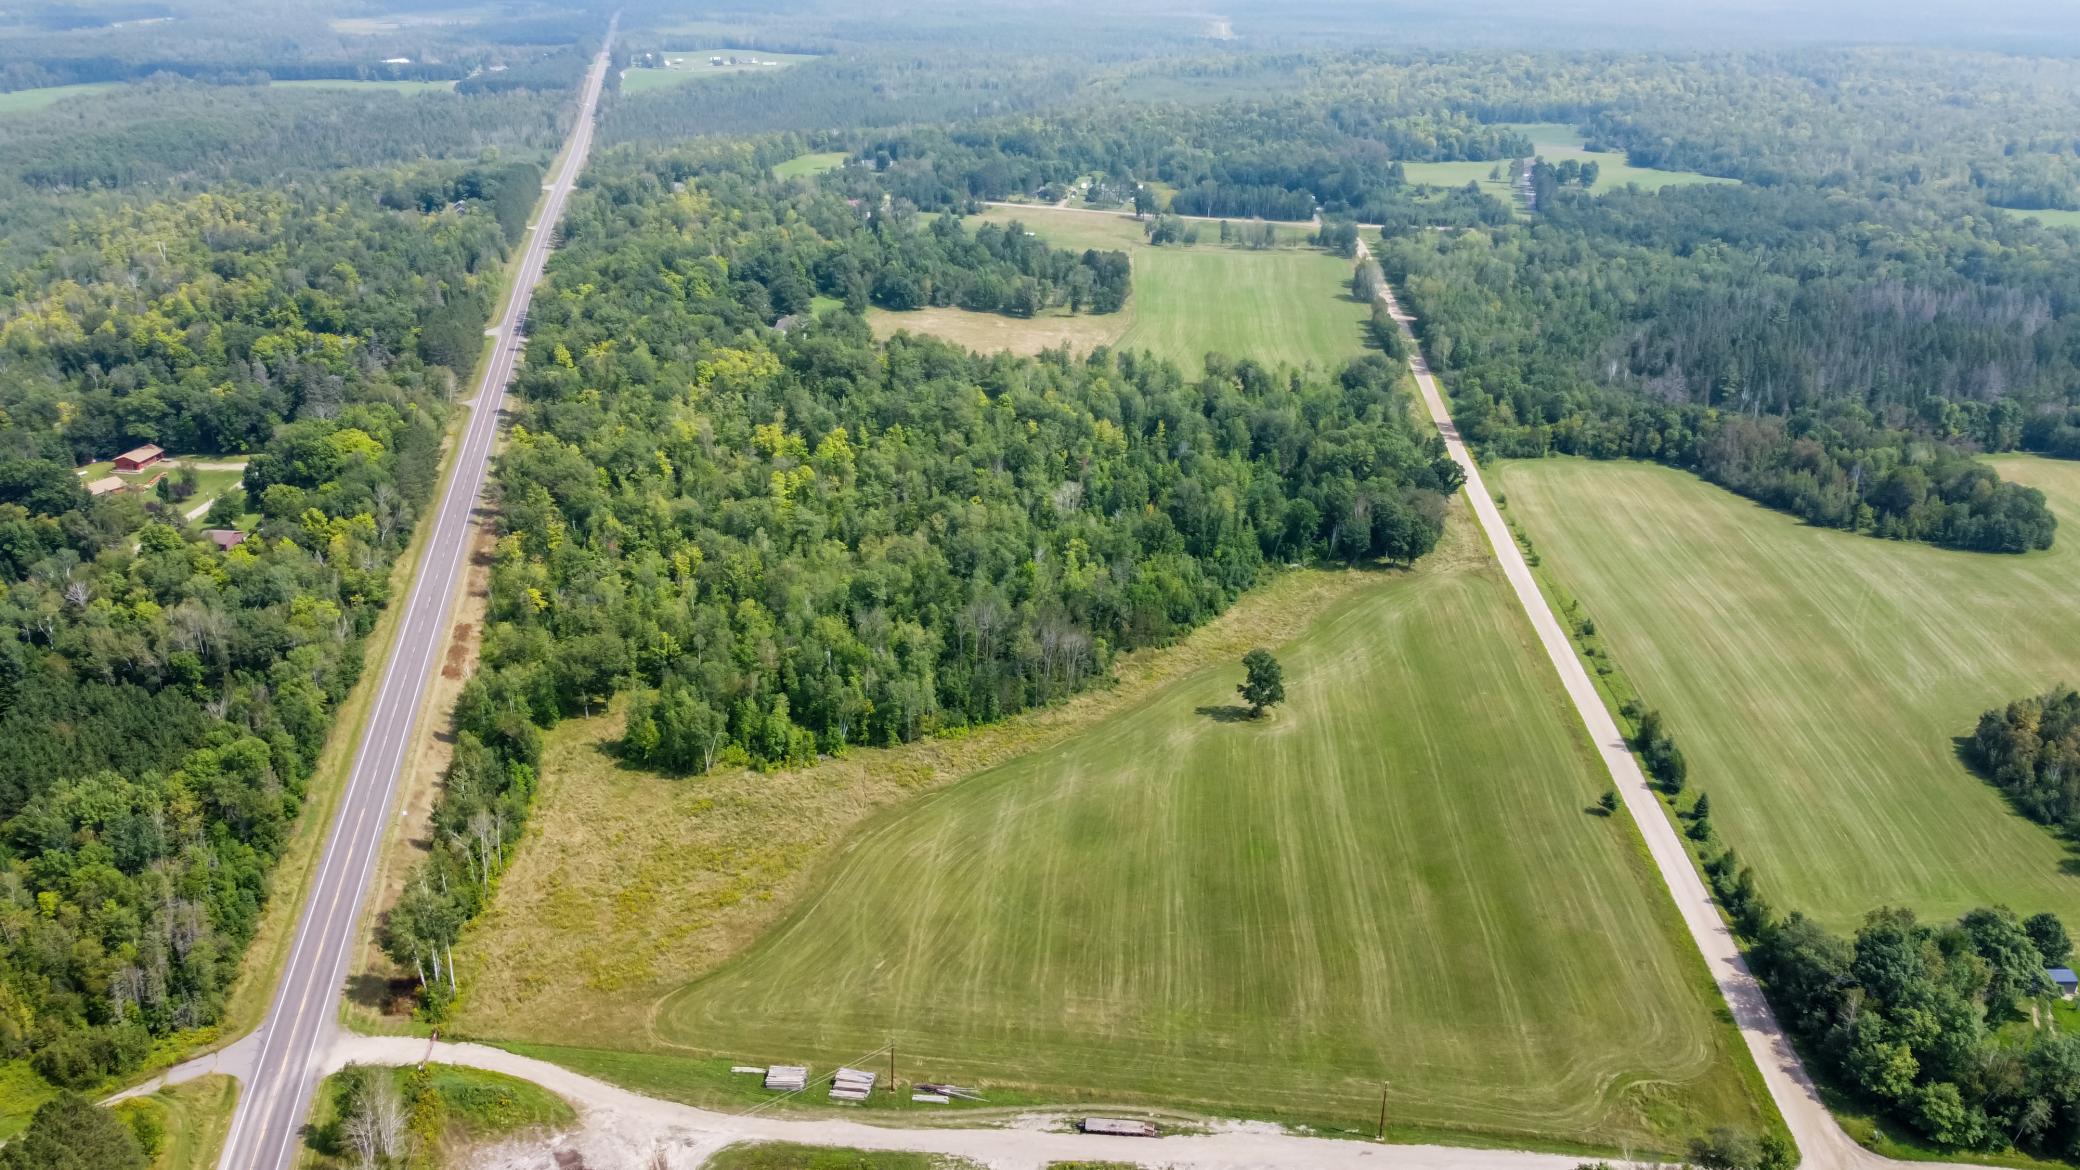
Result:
x=993 y=269
x=2031 y=750
x=786 y=544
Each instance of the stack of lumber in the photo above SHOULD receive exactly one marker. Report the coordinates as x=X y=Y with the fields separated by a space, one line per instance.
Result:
x=1118 y=1127
x=787 y=1078
x=850 y=1084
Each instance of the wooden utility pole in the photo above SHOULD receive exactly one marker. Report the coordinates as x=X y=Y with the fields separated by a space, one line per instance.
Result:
x=1383 y=1110
x=891 y=1066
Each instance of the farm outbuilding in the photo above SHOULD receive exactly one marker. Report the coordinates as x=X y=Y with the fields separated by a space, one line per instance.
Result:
x=2068 y=984
x=139 y=458
x=225 y=539
x=106 y=485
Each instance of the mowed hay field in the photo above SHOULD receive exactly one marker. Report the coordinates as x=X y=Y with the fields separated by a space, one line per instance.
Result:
x=1395 y=878
x=22 y=100
x=1277 y=305
x=1555 y=142
x=1818 y=681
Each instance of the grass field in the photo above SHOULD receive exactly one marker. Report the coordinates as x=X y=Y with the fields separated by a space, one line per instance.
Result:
x=788 y=1156
x=1395 y=878
x=693 y=65
x=475 y=1107
x=994 y=332
x=1555 y=142
x=194 y=1117
x=22 y=100
x=1819 y=681
x=809 y=164
x=1278 y=305
x=2057 y=219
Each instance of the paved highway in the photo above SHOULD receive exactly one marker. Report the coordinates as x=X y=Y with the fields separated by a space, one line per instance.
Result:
x=300 y=1024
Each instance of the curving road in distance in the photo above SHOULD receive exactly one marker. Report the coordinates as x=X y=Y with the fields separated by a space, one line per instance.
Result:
x=266 y=1130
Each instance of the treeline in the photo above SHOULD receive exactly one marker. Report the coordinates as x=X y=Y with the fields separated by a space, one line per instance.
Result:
x=167 y=131
x=993 y=269
x=1775 y=341
x=788 y=544
x=1912 y=1017
x=1958 y=128
x=202 y=324
x=1209 y=198
x=2030 y=749
x=1271 y=160
x=164 y=703
x=1547 y=179
x=236 y=43
x=875 y=88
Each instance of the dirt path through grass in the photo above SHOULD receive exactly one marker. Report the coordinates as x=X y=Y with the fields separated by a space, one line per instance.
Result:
x=625 y=1129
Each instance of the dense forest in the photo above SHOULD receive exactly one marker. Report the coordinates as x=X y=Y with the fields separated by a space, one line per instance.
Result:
x=164 y=706
x=786 y=544
x=1270 y=160
x=60 y=42
x=2030 y=749
x=1837 y=353
x=1835 y=358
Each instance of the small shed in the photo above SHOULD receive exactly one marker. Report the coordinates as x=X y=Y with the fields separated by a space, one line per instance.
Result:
x=105 y=485
x=227 y=539
x=140 y=458
x=2068 y=984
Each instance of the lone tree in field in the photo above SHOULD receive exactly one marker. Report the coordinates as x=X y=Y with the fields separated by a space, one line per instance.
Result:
x=1264 y=682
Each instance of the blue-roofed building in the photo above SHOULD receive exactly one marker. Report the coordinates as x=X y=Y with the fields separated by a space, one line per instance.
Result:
x=2068 y=984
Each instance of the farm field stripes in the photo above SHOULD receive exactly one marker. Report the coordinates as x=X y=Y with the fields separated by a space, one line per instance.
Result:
x=1395 y=878
x=1818 y=681
x=1277 y=305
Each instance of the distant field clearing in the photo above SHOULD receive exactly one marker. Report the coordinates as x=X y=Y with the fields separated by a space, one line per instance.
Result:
x=992 y=332
x=682 y=66
x=1285 y=305
x=23 y=100
x=1556 y=142
x=809 y=164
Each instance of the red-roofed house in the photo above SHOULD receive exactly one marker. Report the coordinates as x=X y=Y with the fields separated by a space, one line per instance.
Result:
x=140 y=458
